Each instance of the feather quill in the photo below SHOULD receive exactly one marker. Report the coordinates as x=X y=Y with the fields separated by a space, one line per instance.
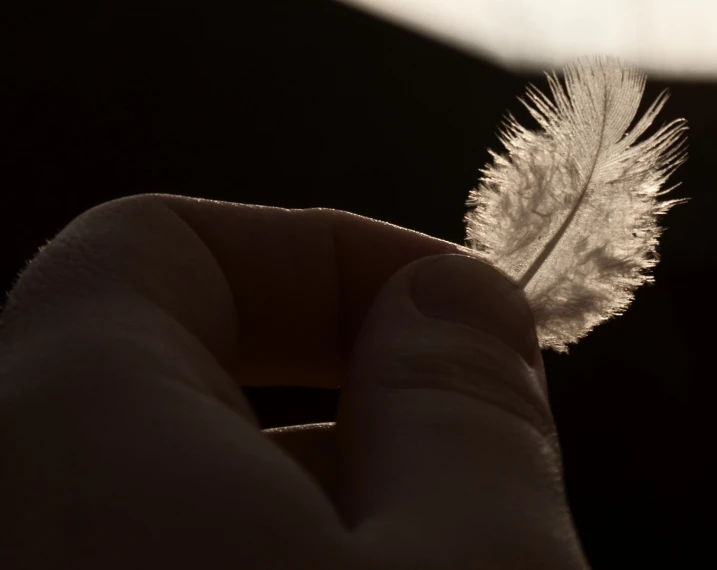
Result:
x=571 y=212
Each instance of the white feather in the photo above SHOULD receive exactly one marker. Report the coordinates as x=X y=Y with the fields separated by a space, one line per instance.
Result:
x=571 y=212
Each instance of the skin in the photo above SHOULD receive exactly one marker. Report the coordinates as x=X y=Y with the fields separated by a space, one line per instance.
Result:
x=127 y=442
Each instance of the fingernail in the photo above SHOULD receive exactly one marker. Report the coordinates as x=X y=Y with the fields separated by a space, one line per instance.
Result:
x=465 y=290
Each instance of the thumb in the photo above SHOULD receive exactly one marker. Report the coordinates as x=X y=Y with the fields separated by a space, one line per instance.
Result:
x=448 y=450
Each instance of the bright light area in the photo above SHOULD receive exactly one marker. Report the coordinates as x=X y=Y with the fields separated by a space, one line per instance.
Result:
x=665 y=37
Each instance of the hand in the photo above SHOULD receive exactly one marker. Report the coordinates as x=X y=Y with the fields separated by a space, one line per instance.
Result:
x=127 y=443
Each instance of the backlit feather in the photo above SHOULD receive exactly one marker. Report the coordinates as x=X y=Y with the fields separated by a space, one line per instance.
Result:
x=570 y=213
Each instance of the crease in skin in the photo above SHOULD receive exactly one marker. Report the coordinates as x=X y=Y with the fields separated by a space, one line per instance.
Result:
x=499 y=396
x=448 y=362
x=185 y=220
x=219 y=385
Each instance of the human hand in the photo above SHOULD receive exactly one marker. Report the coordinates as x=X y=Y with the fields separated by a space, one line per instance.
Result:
x=126 y=440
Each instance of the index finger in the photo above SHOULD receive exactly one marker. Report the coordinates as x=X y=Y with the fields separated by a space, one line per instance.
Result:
x=276 y=295
x=302 y=281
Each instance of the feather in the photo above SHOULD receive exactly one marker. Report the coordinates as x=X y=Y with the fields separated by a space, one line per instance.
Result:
x=570 y=213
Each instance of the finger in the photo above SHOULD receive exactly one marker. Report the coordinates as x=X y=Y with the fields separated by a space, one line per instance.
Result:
x=302 y=282
x=445 y=429
x=277 y=296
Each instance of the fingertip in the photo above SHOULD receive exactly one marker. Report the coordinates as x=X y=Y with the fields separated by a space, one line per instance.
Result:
x=465 y=290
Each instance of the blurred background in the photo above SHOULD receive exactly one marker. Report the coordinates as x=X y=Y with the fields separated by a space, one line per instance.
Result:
x=387 y=109
x=664 y=37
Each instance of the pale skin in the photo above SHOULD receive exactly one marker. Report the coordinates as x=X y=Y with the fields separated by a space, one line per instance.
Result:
x=127 y=441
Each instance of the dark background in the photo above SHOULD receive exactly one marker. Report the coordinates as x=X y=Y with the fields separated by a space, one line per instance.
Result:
x=305 y=104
